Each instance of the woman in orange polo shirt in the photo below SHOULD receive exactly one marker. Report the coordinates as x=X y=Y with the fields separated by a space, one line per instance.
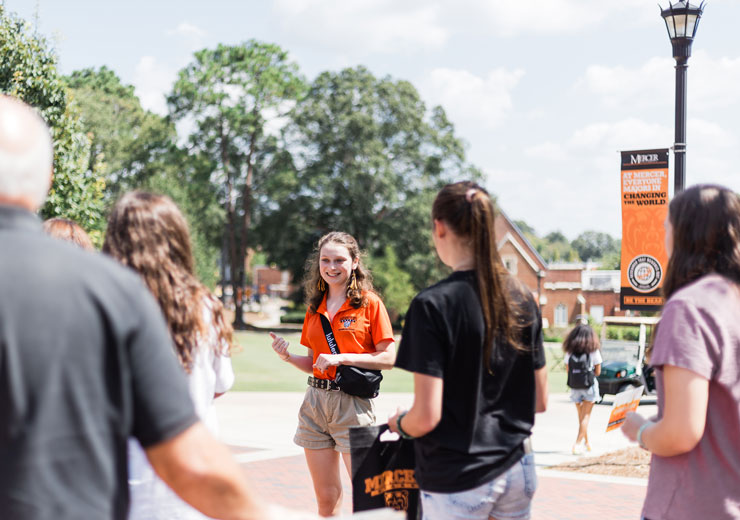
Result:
x=339 y=287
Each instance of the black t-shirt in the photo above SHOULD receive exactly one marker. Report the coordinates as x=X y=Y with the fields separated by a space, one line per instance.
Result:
x=485 y=418
x=86 y=361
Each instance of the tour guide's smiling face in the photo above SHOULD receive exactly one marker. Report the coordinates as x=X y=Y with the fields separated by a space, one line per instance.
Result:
x=336 y=264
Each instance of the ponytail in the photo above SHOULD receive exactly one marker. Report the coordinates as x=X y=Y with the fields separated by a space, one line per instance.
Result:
x=468 y=210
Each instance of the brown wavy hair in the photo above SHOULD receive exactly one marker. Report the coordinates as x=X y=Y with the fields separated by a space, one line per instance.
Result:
x=706 y=236
x=68 y=230
x=148 y=233
x=468 y=210
x=357 y=297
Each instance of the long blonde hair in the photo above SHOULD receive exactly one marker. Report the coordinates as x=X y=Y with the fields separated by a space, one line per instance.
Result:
x=148 y=233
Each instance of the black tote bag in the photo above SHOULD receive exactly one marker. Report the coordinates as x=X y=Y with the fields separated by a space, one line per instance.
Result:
x=383 y=472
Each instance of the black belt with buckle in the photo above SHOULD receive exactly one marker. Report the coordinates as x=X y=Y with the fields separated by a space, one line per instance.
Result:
x=323 y=384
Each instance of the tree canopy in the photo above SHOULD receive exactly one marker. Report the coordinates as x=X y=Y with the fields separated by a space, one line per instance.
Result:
x=367 y=158
x=137 y=149
x=227 y=94
x=592 y=246
x=128 y=144
x=28 y=71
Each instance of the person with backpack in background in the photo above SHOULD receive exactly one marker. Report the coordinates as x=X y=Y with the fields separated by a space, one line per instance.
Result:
x=583 y=362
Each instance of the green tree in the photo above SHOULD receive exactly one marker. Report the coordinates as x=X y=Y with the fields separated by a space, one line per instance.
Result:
x=611 y=260
x=136 y=149
x=592 y=245
x=128 y=144
x=227 y=93
x=28 y=71
x=525 y=228
x=392 y=282
x=554 y=247
x=367 y=158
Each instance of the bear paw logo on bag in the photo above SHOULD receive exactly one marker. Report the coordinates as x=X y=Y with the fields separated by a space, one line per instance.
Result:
x=398 y=500
x=394 y=485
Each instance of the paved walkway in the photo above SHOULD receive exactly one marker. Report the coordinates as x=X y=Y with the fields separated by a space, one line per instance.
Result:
x=260 y=426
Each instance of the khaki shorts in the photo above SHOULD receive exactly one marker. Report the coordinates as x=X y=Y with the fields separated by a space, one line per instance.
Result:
x=326 y=416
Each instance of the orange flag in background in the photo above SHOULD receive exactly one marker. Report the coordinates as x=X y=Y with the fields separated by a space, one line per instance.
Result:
x=644 y=208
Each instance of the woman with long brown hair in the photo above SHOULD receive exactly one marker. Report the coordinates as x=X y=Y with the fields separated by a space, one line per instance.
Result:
x=148 y=233
x=339 y=290
x=474 y=344
x=695 y=467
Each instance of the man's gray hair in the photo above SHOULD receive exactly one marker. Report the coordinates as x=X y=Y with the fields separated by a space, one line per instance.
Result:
x=26 y=152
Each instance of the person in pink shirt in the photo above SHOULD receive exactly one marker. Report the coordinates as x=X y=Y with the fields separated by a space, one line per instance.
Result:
x=695 y=438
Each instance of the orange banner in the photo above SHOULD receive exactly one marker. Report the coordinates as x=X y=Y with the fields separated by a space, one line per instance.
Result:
x=644 y=208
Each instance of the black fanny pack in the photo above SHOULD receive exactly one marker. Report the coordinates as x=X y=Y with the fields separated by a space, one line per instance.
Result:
x=360 y=382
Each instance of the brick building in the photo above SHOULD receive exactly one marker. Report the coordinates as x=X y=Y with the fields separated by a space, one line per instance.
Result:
x=272 y=281
x=518 y=254
x=577 y=289
x=565 y=291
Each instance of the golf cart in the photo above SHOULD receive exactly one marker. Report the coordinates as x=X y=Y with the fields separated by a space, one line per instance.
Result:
x=624 y=363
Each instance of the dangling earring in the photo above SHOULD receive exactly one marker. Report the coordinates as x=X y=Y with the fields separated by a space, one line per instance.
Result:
x=353 y=281
x=321 y=285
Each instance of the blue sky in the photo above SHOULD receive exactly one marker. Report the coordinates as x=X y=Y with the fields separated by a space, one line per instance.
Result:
x=544 y=92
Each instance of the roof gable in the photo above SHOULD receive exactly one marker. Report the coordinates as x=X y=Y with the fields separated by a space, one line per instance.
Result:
x=520 y=242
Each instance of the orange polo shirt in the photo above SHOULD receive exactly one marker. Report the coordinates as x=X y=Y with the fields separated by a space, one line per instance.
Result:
x=356 y=330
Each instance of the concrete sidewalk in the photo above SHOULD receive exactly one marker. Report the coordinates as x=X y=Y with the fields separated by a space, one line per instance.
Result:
x=260 y=427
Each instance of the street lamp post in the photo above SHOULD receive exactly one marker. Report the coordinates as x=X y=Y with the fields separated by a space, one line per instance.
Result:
x=681 y=20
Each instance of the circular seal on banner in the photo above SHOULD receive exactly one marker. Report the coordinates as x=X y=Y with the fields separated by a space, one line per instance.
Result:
x=644 y=273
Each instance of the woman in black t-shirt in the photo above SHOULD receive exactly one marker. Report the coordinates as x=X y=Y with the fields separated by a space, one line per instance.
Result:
x=474 y=343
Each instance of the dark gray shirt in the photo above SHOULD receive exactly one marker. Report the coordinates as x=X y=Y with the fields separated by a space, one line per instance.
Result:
x=86 y=361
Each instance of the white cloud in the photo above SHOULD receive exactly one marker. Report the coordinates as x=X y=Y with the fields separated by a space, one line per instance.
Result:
x=584 y=167
x=473 y=100
x=364 y=25
x=152 y=81
x=187 y=30
x=190 y=36
x=511 y=17
x=627 y=134
x=708 y=135
x=558 y=199
x=712 y=82
x=650 y=84
x=547 y=150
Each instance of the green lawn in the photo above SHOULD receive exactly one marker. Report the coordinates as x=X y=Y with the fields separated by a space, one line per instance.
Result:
x=258 y=368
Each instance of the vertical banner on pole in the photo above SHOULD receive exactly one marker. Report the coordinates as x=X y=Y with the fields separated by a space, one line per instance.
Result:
x=644 y=208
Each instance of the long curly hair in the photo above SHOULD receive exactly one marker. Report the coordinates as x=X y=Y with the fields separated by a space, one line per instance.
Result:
x=356 y=297
x=706 y=236
x=469 y=211
x=148 y=233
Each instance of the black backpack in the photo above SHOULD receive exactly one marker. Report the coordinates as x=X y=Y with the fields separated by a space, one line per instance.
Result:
x=580 y=375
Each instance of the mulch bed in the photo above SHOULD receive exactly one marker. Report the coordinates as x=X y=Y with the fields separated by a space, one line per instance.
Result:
x=629 y=462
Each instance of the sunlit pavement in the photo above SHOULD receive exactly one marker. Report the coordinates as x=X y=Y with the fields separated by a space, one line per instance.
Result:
x=259 y=427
